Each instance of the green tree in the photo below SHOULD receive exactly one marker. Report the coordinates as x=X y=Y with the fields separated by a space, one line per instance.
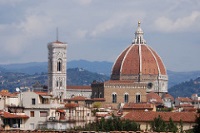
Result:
x=181 y=126
x=130 y=126
x=196 y=128
x=171 y=126
x=96 y=105
x=112 y=124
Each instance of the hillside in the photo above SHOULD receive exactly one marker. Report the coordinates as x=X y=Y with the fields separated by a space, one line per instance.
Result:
x=80 y=76
x=27 y=68
x=80 y=72
x=102 y=67
x=75 y=76
x=186 y=89
x=178 y=77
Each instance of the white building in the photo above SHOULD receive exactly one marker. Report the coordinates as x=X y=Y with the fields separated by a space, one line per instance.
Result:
x=37 y=106
x=196 y=100
x=7 y=99
x=70 y=116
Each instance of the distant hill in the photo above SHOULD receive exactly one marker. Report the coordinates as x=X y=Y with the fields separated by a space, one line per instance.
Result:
x=102 y=67
x=95 y=68
x=186 y=89
x=75 y=76
x=28 y=68
x=80 y=76
x=178 y=77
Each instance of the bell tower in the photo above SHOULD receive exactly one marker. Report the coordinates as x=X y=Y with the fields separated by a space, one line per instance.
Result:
x=57 y=60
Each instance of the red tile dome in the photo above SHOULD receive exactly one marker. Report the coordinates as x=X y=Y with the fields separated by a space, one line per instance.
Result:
x=136 y=60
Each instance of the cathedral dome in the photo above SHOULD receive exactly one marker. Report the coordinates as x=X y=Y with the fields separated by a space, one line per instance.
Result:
x=138 y=61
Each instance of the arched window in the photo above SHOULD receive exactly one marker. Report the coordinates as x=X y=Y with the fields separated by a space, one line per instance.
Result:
x=114 y=98
x=59 y=65
x=138 y=98
x=126 y=98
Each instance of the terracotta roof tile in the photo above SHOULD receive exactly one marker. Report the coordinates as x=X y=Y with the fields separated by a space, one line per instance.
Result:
x=184 y=99
x=138 y=106
x=59 y=42
x=60 y=110
x=189 y=109
x=42 y=93
x=118 y=62
x=8 y=94
x=146 y=116
x=9 y=115
x=129 y=62
x=154 y=98
x=71 y=105
x=168 y=96
x=185 y=105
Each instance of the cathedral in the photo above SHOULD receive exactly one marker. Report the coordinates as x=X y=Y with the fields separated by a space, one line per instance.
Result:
x=137 y=71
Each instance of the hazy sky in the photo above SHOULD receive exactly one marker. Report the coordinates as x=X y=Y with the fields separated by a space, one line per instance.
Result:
x=98 y=30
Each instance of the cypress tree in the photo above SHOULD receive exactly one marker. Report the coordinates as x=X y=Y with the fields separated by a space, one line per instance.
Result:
x=172 y=126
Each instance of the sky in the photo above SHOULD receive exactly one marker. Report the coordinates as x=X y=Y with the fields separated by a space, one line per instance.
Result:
x=99 y=30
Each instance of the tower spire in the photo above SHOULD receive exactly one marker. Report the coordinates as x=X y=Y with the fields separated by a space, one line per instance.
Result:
x=57 y=34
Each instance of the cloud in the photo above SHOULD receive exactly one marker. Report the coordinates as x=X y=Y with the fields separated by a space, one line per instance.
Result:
x=81 y=34
x=85 y=2
x=15 y=45
x=116 y=21
x=36 y=25
x=27 y=27
x=9 y=2
x=190 y=22
x=18 y=36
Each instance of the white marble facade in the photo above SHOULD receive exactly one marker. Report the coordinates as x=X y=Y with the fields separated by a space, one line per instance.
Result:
x=57 y=60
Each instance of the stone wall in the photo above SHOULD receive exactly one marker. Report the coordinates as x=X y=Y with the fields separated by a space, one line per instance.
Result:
x=121 y=90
